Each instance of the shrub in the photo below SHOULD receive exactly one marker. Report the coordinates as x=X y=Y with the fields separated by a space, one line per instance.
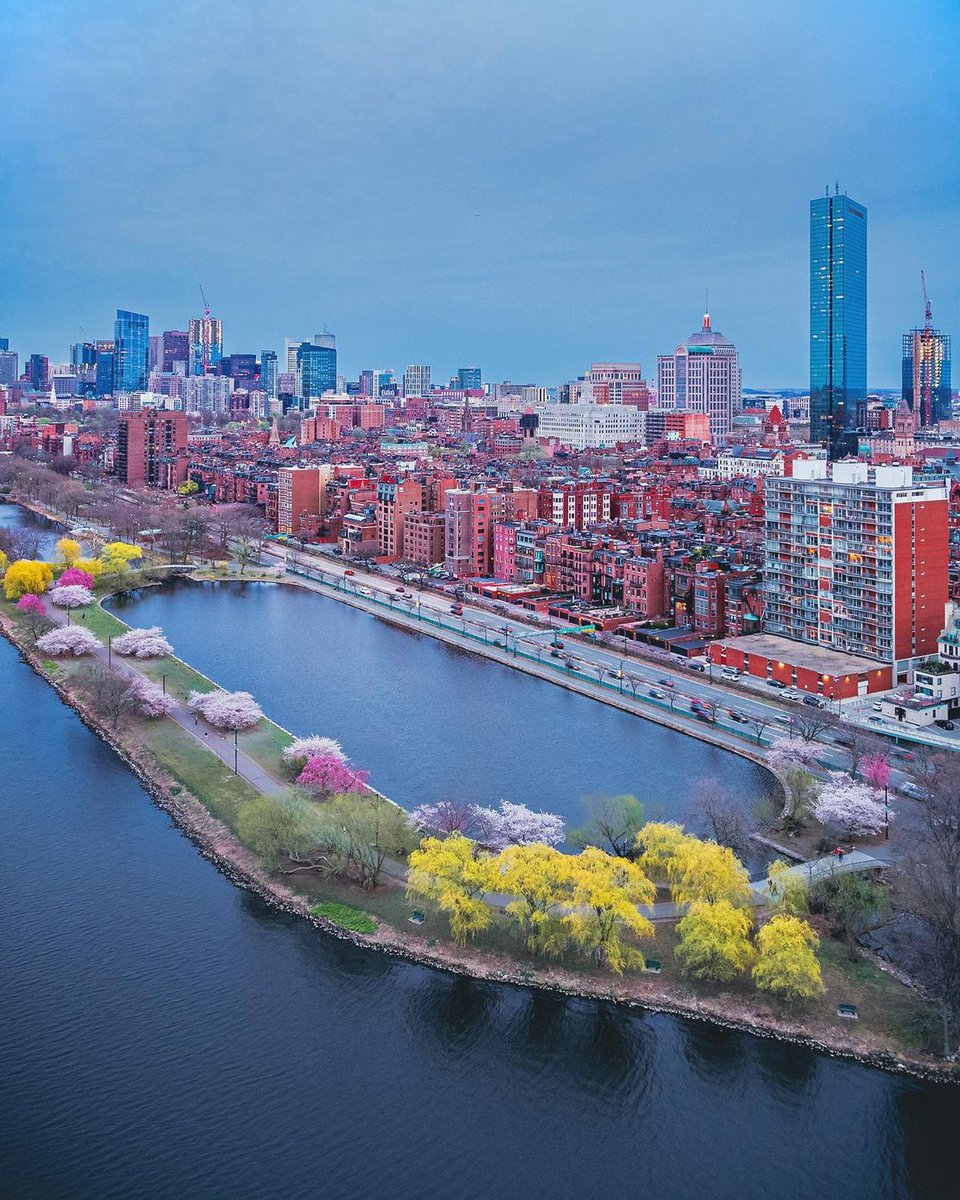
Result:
x=345 y=916
x=71 y=596
x=142 y=643
x=70 y=639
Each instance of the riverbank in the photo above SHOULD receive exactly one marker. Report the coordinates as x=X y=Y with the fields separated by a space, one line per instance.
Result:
x=425 y=944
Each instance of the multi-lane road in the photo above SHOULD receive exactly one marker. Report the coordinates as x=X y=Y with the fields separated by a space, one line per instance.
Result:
x=668 y=685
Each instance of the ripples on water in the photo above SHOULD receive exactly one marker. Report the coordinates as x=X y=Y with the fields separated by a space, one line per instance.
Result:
x=163 y=1034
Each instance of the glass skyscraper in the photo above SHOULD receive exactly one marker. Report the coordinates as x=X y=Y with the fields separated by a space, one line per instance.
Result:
x=131 y=336
x=838 y=321
x=925 y=380
x=317 y=366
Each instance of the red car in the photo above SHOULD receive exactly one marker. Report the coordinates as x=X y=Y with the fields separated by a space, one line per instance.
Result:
x=348 y=572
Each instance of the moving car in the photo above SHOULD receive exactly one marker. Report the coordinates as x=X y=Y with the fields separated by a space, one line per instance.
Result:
x=913 y=790
x=739 y=717
x=666 y=683
x=457 y=610
x=876 y=721
x=657 y=694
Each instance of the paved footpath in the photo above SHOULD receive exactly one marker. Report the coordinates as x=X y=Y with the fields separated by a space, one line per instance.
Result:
x=222 y=745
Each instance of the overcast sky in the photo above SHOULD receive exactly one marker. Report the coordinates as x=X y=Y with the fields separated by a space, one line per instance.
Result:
x=524 y=185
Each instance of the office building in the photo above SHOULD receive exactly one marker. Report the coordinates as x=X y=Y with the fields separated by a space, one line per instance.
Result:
x=207 y=393
x=176 y=352
x=580 y=426
x=38 y=372
x=9 y=367
x=622 y=382
x=205 y=345
x=702 y=375
x=838 y=321
x=416 y=381
x=925 y=376
x=131 y=339
x=317 y=366
x=152 y=449
x=469 y=379
x=269 y=373
x=857 y=561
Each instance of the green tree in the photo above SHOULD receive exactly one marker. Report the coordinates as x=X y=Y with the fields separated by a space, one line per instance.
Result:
x=455 y=876
x=715 y=941
x=787 y=888
x=853 y=902
x=279 y=827
x=361 y=831
x=787 y=959
x=613 y=823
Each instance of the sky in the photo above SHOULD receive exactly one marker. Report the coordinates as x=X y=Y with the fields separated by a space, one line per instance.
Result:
x=527 y=185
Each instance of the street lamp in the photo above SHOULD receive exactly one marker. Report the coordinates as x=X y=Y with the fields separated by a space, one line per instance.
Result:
x=163 y=681
x=110 y=651
x=236 y=752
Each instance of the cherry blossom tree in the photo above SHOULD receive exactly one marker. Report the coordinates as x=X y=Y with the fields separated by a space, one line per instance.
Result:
x=76 y=577
x=792 y=752
x=875 y=771
x=71 y=596
x=70 y=639
x=299 y=752
x=31 y=604
x=850 y=806
x=142 y=643
x=226 y=710
x=445 y=817
x=149 y=698
x=794 y=759
x=517 y=825
x=328 y=775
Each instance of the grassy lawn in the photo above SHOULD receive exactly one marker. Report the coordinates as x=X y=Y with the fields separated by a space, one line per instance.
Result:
x=264 y=745
x=181 y=679
x=346 y=917
x=99 y=622
x=197 y=769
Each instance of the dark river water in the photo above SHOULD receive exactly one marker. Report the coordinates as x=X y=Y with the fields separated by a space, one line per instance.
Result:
x=430 y=721
x=163 y=1034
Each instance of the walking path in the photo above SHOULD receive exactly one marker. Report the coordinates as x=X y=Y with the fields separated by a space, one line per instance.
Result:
x=228 y=750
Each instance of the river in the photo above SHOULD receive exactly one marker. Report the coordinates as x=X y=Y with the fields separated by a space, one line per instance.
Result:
x=431 y=721
x=163 y=1034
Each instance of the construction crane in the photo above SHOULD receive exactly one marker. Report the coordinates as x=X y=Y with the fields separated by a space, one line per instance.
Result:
x=926 y=357
x=206 y=331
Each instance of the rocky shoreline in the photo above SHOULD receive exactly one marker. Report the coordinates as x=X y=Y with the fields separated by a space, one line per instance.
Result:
x=219 y=846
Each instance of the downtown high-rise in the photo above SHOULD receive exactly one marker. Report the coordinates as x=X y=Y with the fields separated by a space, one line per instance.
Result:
x=131 y=337
x=838 y=321
x=925 y=376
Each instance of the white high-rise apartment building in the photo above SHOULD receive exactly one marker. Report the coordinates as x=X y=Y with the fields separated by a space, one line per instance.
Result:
x=416 y=381
x=590 y=425
x=702 y=375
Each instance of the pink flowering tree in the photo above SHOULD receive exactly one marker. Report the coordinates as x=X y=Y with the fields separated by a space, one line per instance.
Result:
x=71 y=596
x=850 y=806
x=326 y=775
x=517 y=825
x=794 y=761
x=31 y=604
x=299 y=752
x=149 y=698
x=875 y=771
x=142 y=643
x=445 y=817
x=69 y=639
x=76 y=577
x=226 y=710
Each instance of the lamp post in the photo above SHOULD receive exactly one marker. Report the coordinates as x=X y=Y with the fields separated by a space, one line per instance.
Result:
x=886 y=812
x=236 y=752
x=163 y=681
x=110 y=651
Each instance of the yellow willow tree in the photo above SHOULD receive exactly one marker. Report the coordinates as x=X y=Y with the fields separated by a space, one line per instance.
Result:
x=542 y=881
x=117 y=556
x=27 y=576
x=787 y=959
x=787 y=888
x=715 y=941
x=452 y=874
x=709 y=872
x=3 y=562
x=658 y=843
x=606 y=892
x=69 y=551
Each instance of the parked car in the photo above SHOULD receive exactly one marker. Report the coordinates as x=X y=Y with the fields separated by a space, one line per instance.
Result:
x=813 y=701
x=697 y=666
x=876 y=721
x=877 y=706
x=729 y=673
x=945 y=724
x=776 y=683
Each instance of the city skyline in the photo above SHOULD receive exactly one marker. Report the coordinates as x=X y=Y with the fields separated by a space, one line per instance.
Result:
x=529 y=253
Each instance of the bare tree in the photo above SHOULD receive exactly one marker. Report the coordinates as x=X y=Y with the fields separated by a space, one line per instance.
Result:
x=724 y=820
x=811 y=725
x=111 y=695
x=758 y=724
x=931 y=885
